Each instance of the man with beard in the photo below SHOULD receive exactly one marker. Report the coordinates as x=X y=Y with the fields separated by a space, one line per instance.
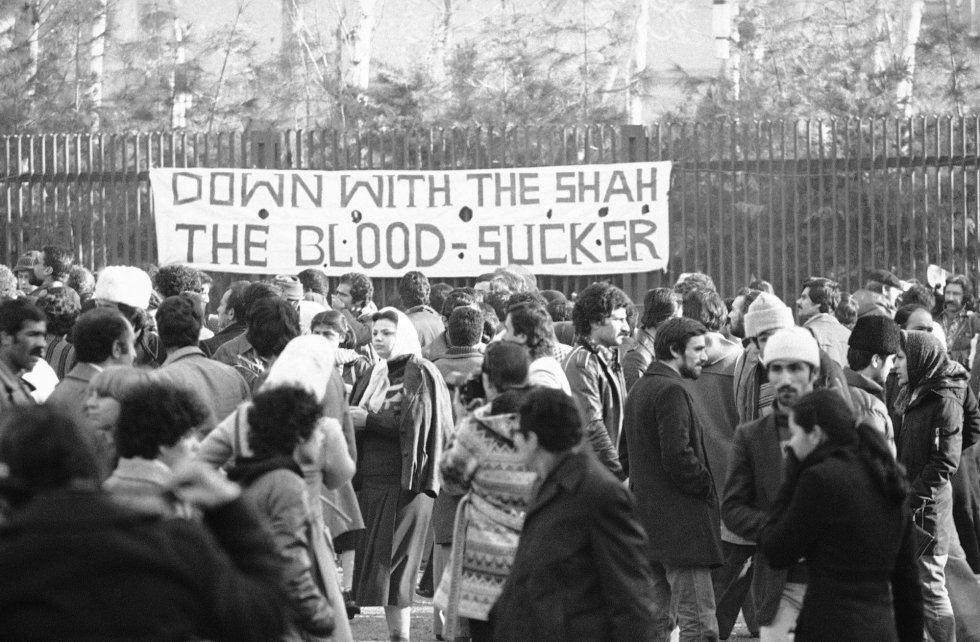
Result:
x=755 y=475
x=740 y=306
x=958 y=320
x=23 y=329
x=671 y=478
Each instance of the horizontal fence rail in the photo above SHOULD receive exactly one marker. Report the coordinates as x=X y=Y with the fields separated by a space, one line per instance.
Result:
x=779 y=200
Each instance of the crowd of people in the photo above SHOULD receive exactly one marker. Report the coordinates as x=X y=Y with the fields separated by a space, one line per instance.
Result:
x=563 y=466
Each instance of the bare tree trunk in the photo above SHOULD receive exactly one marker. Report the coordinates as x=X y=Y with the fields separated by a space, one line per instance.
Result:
x=181 y=98
x=359 y=39
x=32 y=13
x=97 y=62
x=224 y=65
x=904 y=91
x=443 y=42
x=640 y=45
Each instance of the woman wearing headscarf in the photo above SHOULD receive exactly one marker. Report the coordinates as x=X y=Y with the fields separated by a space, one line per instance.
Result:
x=928 y=415
x=403 y=414
x=843 y=507
x=307 y=362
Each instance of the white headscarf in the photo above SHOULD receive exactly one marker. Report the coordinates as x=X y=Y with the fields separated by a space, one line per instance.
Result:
x=406 y=342
x=306 y=362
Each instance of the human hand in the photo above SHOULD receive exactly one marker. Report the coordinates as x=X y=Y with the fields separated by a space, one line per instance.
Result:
x=197 y=483
x=358 y=416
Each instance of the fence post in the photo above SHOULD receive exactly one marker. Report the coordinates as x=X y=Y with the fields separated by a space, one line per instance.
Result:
x=263 y=144
x=634 y=143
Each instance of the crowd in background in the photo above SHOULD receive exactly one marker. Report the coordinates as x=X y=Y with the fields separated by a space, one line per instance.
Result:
x=561 y=465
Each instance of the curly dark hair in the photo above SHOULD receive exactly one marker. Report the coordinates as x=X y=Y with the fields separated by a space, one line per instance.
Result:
x=281 y=418
x=361 y=288
x=919 y=294
x=966 y=284
x=533 y=321
x=157 y=413
x=456 y=298
x=272 y=323
x=174 y=279
x=465 y=326
x=59 y=260
x=561 y=310
x=179 y=321
x=414 y=289
x=62 y=306
x=81 y=279
x=595 y=304
x=499 y=300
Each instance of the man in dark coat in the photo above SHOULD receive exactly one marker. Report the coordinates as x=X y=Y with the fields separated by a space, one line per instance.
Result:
x=76 y=565
x=714 y=392
x=580 y=571
x=231 y=318
x=755 y=475
x=671 y=478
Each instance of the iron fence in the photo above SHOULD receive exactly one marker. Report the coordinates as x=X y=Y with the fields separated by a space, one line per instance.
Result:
x=779 y=200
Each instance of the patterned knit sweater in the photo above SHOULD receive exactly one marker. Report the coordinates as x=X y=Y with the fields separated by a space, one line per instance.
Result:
x=484 y=461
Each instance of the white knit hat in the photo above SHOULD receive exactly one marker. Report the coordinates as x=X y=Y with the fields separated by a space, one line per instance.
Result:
x=124 y=284
x=307 y=362
x=767 y=312
x=792 y=344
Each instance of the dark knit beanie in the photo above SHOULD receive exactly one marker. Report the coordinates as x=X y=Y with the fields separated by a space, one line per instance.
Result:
x=875 y=334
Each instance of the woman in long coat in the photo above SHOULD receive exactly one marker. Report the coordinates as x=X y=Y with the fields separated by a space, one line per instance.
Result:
x=403 y=414
x=844 y=508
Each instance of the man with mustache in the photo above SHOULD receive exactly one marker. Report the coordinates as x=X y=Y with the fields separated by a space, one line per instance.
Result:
x=958 y=320
x=593 y=369
x=755 y=474
x=671 y=476
x=22 y=342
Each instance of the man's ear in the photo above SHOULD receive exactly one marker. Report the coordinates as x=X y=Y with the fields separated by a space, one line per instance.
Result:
x=6 y=339
x=117 y=349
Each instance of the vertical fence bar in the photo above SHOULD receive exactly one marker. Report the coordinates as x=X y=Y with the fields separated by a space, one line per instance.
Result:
x=771 y=214
x=975 y=137
x=786 y=179
x=860 y=197
x=11 y=174
x=964 y=198
x=702 y=264
x=901 y=203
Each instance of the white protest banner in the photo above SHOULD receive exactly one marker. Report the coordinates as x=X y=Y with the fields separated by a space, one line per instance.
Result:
x=555 y=220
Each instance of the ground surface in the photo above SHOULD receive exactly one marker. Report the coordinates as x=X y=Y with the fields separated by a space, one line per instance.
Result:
x=370 y=625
